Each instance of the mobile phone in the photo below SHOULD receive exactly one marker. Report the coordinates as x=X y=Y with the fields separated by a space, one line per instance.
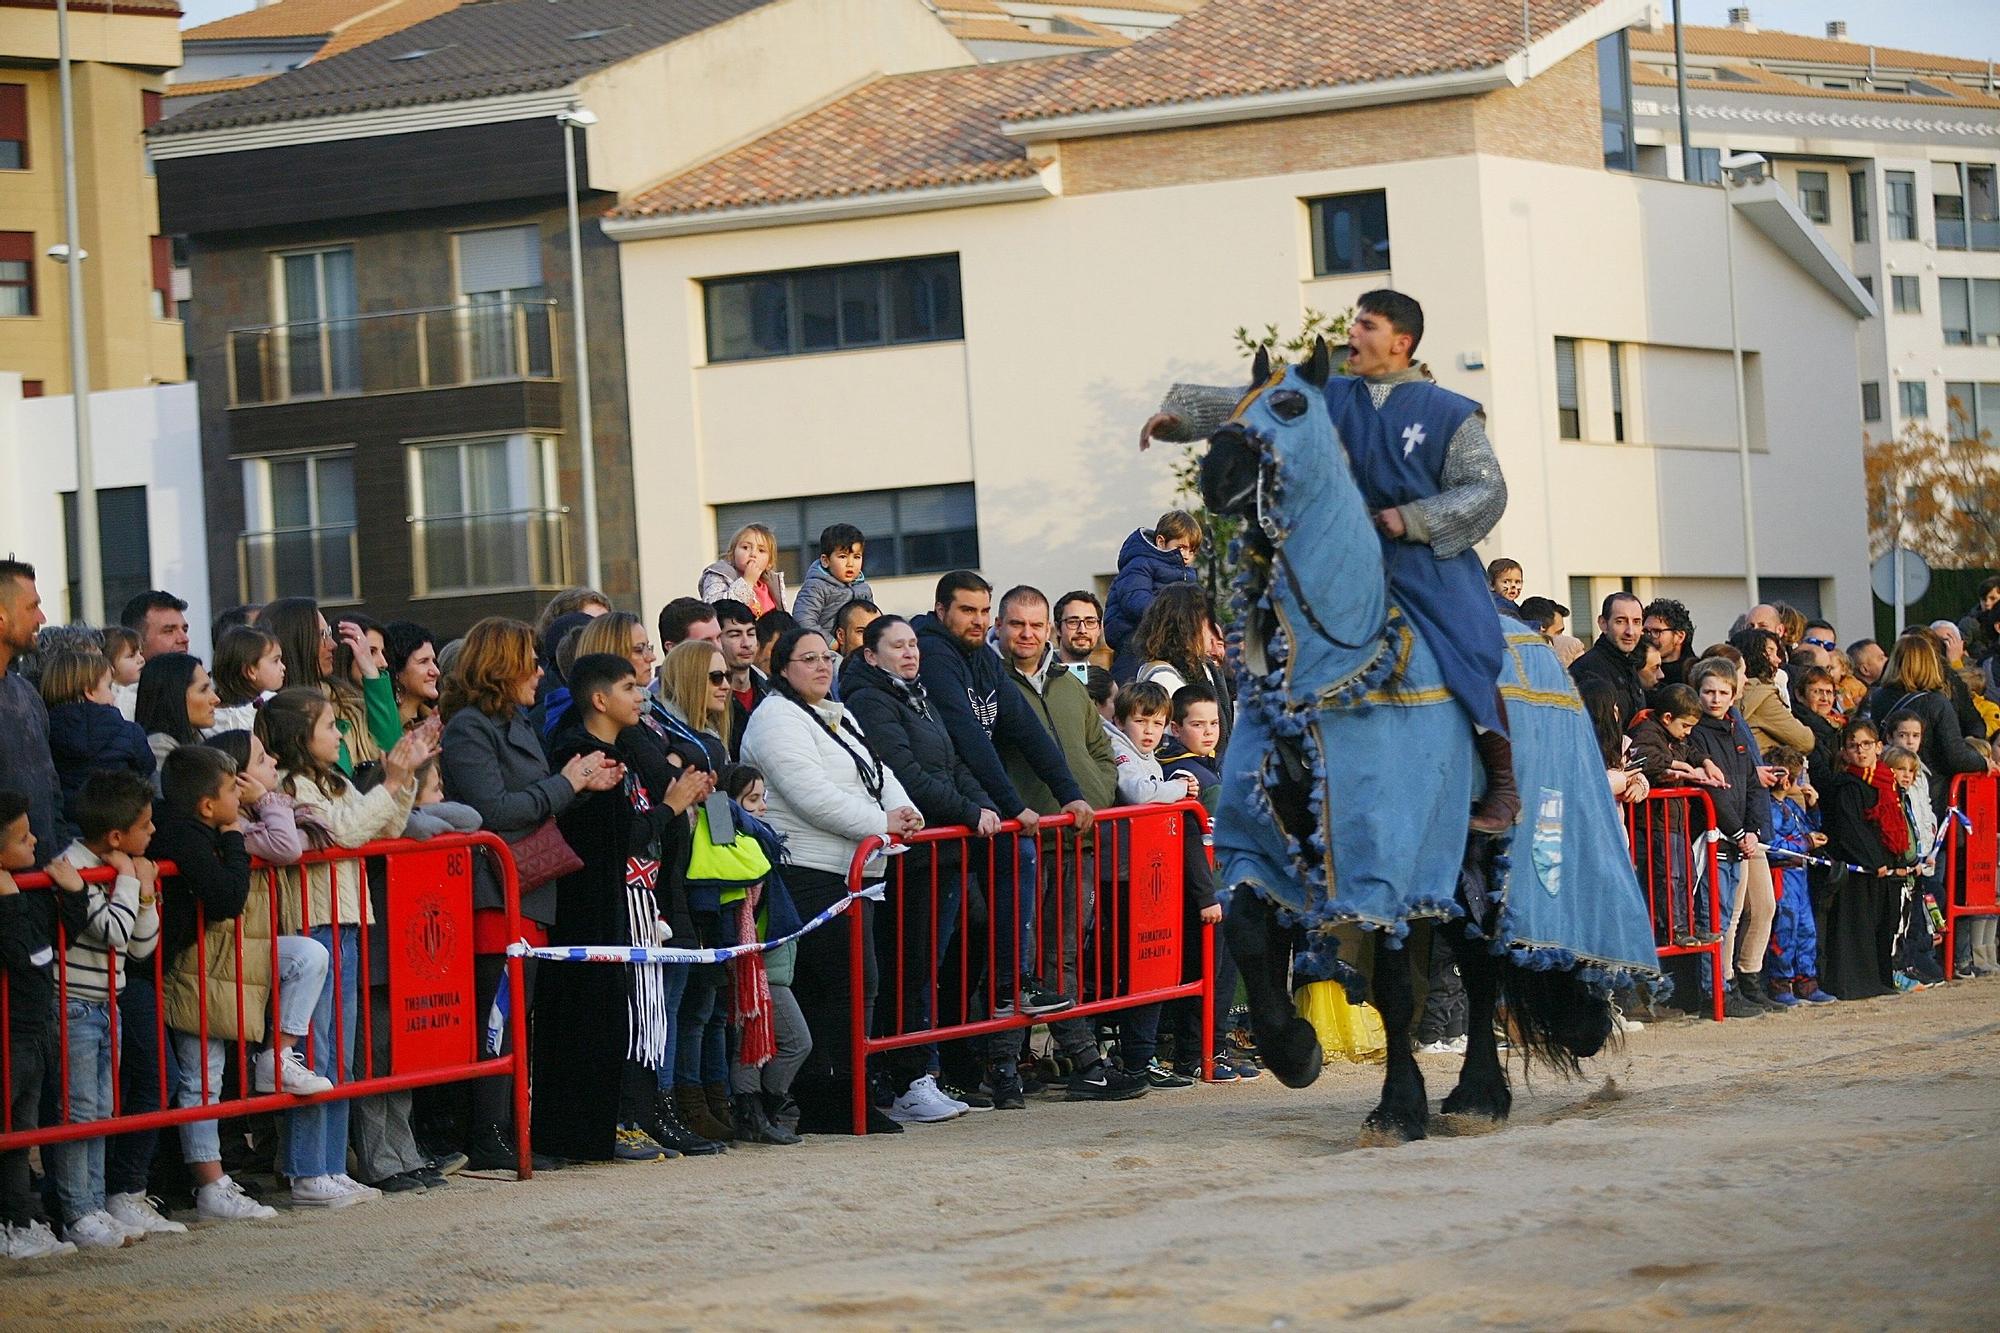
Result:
x=1081 y=670
x=721 y=819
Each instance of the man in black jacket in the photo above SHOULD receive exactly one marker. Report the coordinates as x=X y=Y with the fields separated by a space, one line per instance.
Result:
x=1619 y=653
x=968 y=687
x=747 y=685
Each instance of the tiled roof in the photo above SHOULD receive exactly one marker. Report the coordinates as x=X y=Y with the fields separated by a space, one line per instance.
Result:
x=390 y=18
x=1236 y=48
x=999 y=30
x=210 y=87
x=1793 y=46
x=154 y=8
x=287 y=18
x=903 y=132
x=1755 y=80
x=490 y=49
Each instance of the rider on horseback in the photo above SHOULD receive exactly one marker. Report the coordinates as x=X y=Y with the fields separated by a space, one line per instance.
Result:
x=1427 y=470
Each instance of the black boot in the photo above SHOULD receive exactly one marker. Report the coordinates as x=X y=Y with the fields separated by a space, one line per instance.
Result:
x=670 y=1131
x=492 y=1149
x=754 y=1126
x=1500 y=806
x=782 y=1111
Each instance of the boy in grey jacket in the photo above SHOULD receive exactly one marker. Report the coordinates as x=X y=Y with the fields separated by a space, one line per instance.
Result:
x=834 y=580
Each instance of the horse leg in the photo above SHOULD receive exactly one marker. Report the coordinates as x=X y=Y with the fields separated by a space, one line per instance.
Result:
x=1262 y=947
x=1482 y=1099
x=1403 y=1111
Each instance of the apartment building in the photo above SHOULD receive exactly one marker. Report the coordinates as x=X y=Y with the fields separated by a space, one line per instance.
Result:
x=1895 y=158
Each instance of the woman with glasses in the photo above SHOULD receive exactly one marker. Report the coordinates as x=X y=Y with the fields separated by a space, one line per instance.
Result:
x=827 y=793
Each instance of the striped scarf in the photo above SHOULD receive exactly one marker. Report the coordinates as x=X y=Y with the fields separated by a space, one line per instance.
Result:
x=752 y=989
x=649 y=1017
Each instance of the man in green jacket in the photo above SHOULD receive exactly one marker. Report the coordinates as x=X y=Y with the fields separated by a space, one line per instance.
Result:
x=1058 y=700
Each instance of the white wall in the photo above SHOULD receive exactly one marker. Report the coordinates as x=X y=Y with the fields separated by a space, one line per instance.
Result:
x=141 y=437
x=1080 y=311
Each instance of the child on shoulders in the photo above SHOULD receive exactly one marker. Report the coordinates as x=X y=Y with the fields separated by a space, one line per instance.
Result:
x=87 y=733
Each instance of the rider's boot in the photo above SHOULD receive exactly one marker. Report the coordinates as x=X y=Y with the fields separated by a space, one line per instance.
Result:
x=1500 y=806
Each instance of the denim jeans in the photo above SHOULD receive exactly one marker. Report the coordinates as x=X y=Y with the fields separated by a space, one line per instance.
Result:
x=1728 y=875
x=77 y=1168
x=701 y=1048
x=316 y=1135
x=128 y=1158
x=675 y=977
x=302 y=966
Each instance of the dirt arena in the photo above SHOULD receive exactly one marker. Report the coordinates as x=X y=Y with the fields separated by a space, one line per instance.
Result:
x=1830 y=1169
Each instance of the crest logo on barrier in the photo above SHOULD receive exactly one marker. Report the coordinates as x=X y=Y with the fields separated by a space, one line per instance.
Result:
x=1156 y=879
x=428 y=936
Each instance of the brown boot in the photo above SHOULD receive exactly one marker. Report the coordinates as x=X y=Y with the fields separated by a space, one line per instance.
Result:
x=1501 y=805
x=718 y=1098
x=693 y=1104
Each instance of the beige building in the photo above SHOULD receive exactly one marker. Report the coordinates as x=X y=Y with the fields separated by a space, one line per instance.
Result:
x=941 y=305
x=121 y=54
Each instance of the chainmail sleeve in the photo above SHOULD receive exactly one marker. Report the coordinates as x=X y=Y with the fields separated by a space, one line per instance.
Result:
x=1200 y=408
x=1472 y=501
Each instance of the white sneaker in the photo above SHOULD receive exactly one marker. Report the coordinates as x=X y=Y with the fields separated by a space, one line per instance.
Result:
x=923 y=1104
x=1623 y=1024
x=33 y=1241
x=224 y=1201
x=1456 y=1046
x=299 y=1078
x=136 y=1211
x=363 y=1193
x=97 y=1231
x=321 y=1192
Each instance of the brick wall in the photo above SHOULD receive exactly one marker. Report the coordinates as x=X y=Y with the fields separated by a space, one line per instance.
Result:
x=1552 y=118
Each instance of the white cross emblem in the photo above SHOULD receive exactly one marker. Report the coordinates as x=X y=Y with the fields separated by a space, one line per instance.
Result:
x=1413 y=435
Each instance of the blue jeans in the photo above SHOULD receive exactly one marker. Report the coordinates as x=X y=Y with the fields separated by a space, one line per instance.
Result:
x=676 y=979
x=701 y=1049
x=128 y=1159
x=77 y=1167
x=302 y=968
x=316 y=1135
x=1728 y=875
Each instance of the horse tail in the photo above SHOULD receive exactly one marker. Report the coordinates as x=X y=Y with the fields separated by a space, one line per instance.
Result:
x=1554 y=1018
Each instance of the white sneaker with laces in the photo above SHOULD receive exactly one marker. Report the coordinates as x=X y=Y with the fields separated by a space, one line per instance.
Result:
x=947 y=1098
x=923 y=1104
x=136 y=1212
x=224 y=1201
x=299 y=1079
x=321 y=1192
x=363 y=1193
x=97 y=1231
x=33 y=1241
x=1456 y=1046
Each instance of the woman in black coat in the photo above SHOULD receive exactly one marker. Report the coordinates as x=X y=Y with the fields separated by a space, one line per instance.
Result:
x=1813 y=698
x=1916 y=681
x=880 y=686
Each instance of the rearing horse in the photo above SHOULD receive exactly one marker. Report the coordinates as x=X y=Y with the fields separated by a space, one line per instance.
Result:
x=1348 y=781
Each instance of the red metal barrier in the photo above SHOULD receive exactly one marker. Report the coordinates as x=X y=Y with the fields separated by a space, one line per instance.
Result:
x=1970 y=858
x=1665 y=831
x=1128 y=947
x=432 y=938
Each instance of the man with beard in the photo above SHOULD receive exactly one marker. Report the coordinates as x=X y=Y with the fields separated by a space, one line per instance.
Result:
x=1080 y=630
x=1669 y=625
x=1619 y=655
x=24 y=721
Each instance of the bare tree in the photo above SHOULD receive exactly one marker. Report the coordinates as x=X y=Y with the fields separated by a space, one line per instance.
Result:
x=1943 y=489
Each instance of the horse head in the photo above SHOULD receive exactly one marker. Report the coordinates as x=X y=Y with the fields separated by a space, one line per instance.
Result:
x=1238 y=453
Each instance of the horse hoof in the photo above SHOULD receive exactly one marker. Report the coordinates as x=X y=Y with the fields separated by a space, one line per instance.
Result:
x=1295 y=1056
x=1467 y=1124
x=1383 y=1130
x=1489 y=1106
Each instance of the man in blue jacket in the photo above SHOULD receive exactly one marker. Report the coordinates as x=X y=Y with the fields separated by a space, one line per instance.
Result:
x=968 y=687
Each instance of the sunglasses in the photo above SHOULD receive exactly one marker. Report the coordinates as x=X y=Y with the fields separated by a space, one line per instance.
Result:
x=1817 y=642
x=717 y=677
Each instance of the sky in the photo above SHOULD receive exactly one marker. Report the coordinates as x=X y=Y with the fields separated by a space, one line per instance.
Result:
x=1968 y=28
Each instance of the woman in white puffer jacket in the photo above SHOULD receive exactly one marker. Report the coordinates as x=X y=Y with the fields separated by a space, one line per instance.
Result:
x=827 y=792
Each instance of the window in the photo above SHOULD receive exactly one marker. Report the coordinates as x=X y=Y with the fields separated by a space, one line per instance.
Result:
x=1708 y=166
x=922 y=530
x=1617 y=390
x=1871 y=400
x=1973 y=411
x=31 y=388
x=163 y=277
x=1948 y=204
x=17 y=273
x=834 y=309
x=1907 y=293
x=506 y=318
x=319 y=345
x=124 y=549
x=485 y=517
x=1350 y=233
x=300 y=509
x=1867 y=282
x=1967 y=204
x=1899 y=190
x=1982 y=206
x=1815 y=196
x=1568 y=415
x=1857 y=202
x=1913 y=399
x=13 y=126
x=1614 y=99
x=1969 y=309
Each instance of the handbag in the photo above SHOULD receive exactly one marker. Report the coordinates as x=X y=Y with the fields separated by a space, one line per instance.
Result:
x=543 y=857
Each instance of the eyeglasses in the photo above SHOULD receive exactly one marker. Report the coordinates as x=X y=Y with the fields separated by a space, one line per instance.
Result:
x=642 y=649
x=717 y=677
x=1081 y=622
x=1827 y=644
x=813 y=659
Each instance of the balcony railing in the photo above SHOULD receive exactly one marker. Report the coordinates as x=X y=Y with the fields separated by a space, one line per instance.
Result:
x=393 y=352
x=492 y=551
x=323 y=563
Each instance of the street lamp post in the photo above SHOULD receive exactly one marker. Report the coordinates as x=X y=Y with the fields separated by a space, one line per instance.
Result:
x=571 y=121
x=89 y=606
x=1731 y=164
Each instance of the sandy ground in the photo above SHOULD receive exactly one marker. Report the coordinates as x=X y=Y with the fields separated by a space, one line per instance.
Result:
x=1831 y=1169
